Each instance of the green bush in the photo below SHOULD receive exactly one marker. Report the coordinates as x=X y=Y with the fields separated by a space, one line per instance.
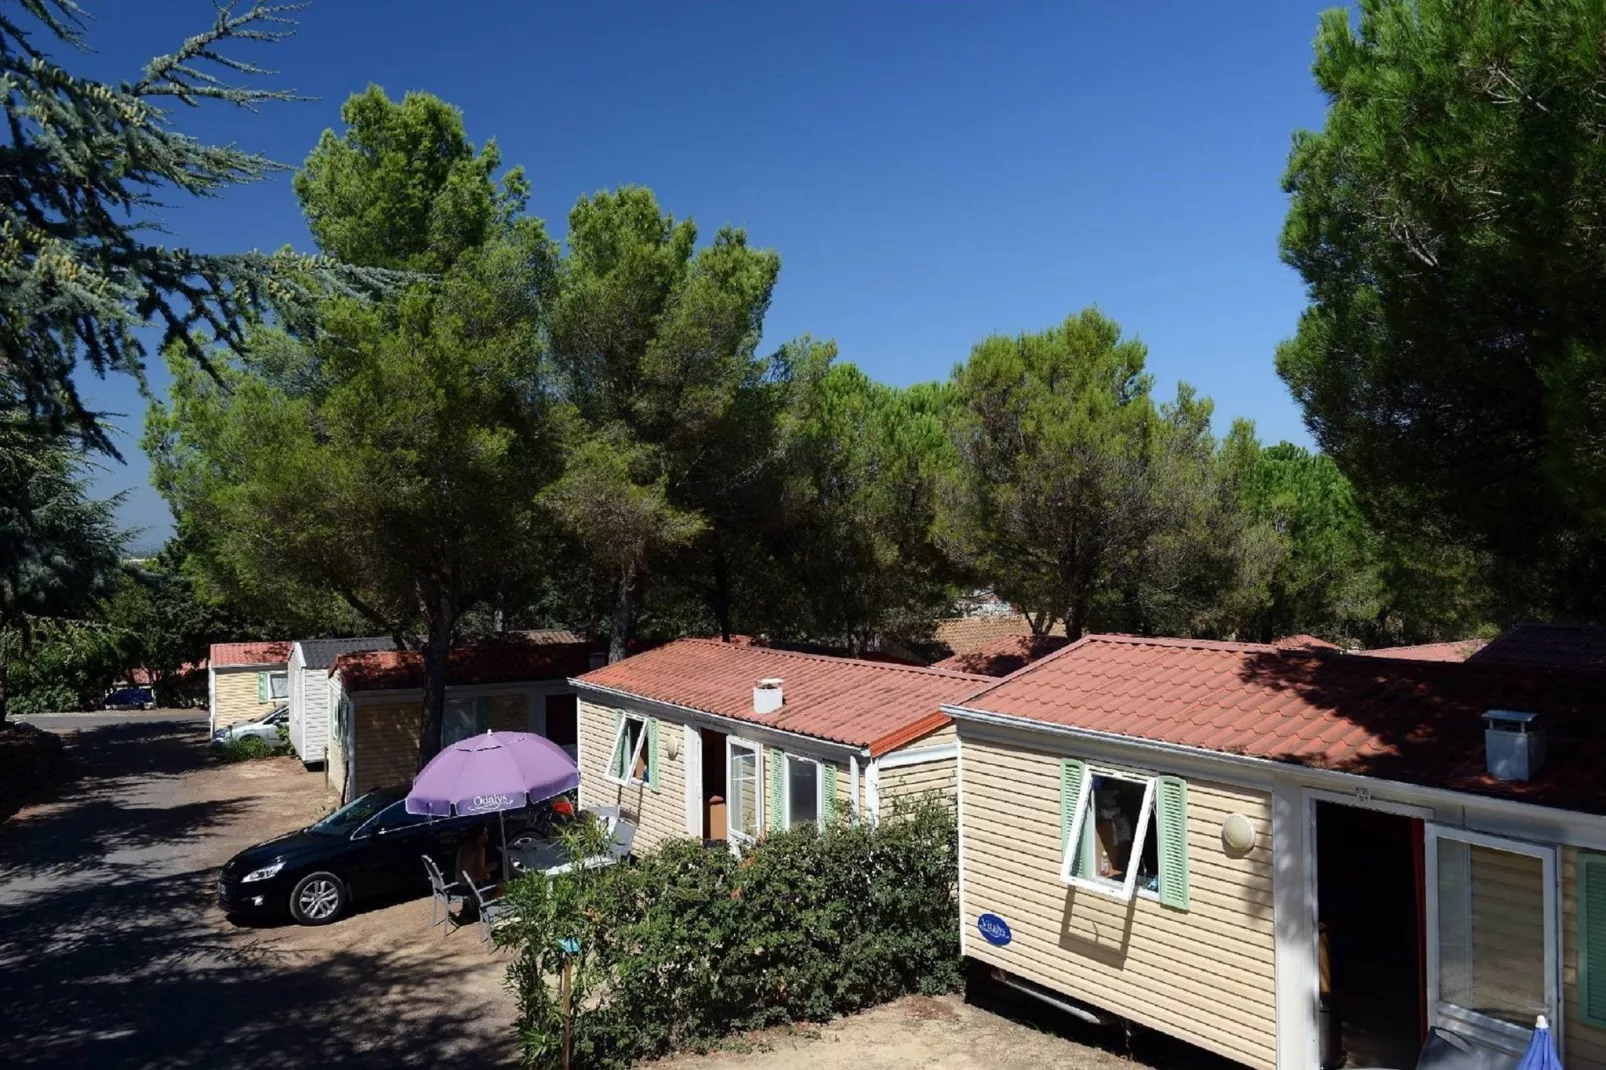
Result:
x=690 y=944
x=246 y=748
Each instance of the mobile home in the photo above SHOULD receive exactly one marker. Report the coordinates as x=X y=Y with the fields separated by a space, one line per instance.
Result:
x=1290 y=856
x=720 y=741
x=377 y=700
x=309 y=689
x=245 y=681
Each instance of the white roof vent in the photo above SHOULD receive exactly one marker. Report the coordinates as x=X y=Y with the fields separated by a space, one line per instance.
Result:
x=1515 y=743
x=767 y=696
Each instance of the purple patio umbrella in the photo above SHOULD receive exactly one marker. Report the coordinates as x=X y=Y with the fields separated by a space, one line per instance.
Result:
x=492 y=773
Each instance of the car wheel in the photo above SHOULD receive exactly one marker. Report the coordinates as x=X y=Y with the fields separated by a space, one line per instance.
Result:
x=318 y=898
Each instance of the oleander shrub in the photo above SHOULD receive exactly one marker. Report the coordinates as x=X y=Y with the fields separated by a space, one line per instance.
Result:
x=690 y=944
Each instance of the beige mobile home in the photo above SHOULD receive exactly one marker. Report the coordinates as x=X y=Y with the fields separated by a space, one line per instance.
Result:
x=720 y=741
x=377 y=698
x=1291 y=857
x=245 y=681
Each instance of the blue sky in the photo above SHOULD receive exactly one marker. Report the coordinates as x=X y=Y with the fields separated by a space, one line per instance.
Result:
x=930 y=173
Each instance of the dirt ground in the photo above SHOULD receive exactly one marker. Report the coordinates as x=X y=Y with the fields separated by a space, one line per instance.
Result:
x=113 y=952
x=932 y=1034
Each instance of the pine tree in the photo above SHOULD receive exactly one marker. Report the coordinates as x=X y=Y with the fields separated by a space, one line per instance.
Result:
x=81 y=167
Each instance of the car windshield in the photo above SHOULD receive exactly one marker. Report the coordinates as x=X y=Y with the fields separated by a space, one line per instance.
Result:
x=346 y=819
x=394 y=816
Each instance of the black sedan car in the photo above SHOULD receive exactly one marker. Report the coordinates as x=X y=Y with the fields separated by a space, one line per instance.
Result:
x=370 y=847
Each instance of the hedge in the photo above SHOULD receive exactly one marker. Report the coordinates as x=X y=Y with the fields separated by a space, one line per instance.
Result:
x=691 y=944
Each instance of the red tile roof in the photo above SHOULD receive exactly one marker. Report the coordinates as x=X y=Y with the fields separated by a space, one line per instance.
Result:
x=1411 y=721
x=233 y=654
x=1460 y=650
x=1557 y=646
x=864 y=703
x=1000 y=657
x=486 y=663
x=962 y=635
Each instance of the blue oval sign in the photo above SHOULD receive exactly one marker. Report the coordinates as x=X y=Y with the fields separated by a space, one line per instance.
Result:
x=994 y=930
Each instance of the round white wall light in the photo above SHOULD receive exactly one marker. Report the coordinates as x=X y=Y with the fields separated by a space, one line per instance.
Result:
x=1238 y=834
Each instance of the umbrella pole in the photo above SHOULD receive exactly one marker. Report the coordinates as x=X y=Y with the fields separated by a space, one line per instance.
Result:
x=507 y=863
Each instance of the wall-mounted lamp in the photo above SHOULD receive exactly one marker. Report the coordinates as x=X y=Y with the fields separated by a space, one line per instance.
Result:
x=1238 y=834
x=672 y=746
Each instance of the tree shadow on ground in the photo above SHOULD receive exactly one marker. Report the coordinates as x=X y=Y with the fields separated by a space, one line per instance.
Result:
x=112 y=953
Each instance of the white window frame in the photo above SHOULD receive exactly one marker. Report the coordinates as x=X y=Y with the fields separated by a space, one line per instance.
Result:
x=732 y=836
x=786 y=789
x=619 y=736
x=1084 y=801
x=1506 y=1035
x=284 y=678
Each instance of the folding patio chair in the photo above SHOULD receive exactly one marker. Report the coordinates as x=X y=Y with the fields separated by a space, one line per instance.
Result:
x=443 y=896
x=492 y=912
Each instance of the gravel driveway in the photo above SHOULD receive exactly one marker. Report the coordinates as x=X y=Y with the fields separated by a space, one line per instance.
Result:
x=113 y=953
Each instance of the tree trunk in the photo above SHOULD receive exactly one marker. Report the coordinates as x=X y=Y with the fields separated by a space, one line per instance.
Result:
x=3 y=668
x=1075 y=619
x=499 y=614
x=440 y=616
x=624 y=616
x=722 y=595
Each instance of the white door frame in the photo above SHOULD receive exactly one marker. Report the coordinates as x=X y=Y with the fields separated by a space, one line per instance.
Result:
x=693 y=746
x=1298 y=946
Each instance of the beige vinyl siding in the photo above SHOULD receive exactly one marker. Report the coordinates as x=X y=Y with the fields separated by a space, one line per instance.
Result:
x=1204 y=975
x=911 y=781
x=235 y=696
x=946 y=735
x=1585 y=1044
x=334 y=769
x=386 y=744
x=659 y=815
x=387 y=735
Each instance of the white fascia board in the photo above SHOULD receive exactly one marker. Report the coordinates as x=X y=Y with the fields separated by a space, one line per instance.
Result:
x=1504 y=816
x=919 y=755
x=768 y=735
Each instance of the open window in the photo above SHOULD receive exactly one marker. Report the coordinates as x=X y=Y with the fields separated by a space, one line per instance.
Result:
x=1123 y=833
x=1492 y=941
x=634 y=753
x=742 y=791
x=803 y=795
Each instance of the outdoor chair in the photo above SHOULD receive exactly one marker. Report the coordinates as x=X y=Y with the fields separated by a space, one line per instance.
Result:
x=492 y=912
x=624 y=834
x=443 y=896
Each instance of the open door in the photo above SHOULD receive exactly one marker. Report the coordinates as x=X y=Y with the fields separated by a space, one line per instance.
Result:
x=713 y=786
x=1370 y=933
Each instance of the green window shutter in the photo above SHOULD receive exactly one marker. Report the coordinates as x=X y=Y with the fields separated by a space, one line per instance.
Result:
x=1592 y=938
x=1171 y=821
x=262 y=687
x=1072 y=773
x=828 y=800
x=621 y=754
x=652 y=754
x=777 y=787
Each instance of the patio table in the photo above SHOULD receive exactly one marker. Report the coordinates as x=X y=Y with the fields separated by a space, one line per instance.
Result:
x=541 y=856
